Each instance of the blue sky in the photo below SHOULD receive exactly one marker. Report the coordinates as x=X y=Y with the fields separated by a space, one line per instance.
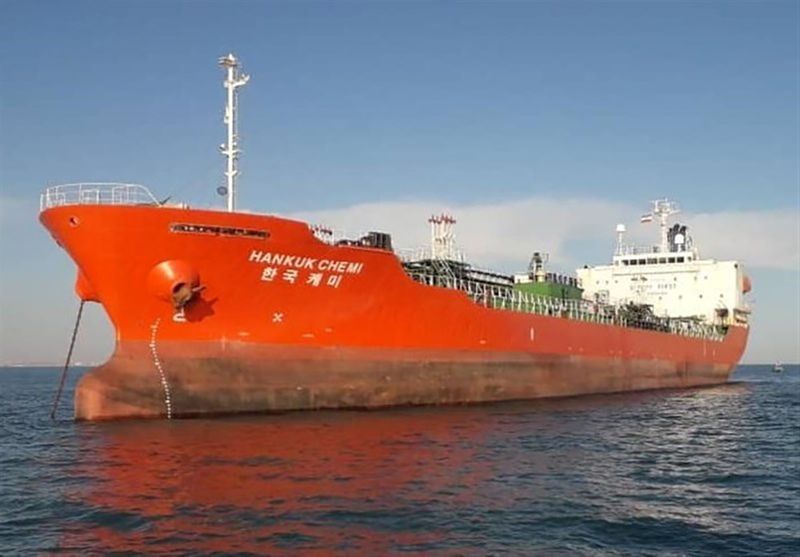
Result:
x=460 y=105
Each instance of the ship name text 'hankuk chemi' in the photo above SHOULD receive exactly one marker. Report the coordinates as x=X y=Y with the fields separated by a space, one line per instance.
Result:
x=301 y=262
x=290 y=269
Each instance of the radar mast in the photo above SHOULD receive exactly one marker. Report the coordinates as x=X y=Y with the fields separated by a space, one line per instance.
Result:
x=233 y=81
x=663 y=209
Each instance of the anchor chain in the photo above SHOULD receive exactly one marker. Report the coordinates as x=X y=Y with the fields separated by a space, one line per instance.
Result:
x=157 y=362
x=66 y=363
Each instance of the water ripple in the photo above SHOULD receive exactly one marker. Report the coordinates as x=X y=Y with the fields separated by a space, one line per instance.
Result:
x=700 y=472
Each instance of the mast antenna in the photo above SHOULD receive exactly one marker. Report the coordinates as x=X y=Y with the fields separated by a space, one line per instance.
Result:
x=234 y=79
x=663 y=209
x=442 y=237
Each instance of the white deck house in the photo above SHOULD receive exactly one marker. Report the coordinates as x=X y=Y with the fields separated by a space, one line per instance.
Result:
x=671 y=277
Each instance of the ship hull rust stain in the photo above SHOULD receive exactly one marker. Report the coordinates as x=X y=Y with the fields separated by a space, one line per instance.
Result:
x=281 y=379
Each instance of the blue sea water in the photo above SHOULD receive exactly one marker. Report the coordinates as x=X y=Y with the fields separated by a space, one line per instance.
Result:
x=712 y=471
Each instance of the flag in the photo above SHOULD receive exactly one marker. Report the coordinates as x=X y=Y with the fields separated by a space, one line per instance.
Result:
x=647 y=218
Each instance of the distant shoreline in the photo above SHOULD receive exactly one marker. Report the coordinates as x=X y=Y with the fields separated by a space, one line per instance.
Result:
x=43 y=366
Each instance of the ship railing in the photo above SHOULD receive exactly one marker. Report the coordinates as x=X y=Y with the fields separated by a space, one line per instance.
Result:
x=96 y=194
x=505 y=298
x=425 y=253
x=628 y=249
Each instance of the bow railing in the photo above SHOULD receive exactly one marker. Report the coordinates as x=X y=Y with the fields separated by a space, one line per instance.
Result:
x=96 y=194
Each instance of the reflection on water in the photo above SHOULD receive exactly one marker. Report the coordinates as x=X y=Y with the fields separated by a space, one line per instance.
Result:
x=283 y=480
x=696 y=471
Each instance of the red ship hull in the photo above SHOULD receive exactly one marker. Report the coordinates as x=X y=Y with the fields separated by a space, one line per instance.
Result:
x=287 y=322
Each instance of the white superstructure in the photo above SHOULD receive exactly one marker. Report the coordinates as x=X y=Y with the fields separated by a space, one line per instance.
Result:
x=671 y=277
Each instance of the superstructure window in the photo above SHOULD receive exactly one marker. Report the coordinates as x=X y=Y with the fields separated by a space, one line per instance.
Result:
x=212 y=230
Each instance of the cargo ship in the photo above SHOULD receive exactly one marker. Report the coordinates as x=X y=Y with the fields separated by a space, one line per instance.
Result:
x=221 y=311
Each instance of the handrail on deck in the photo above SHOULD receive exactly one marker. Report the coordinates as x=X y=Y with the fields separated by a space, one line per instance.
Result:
x=508 y=298
x=98 y=193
